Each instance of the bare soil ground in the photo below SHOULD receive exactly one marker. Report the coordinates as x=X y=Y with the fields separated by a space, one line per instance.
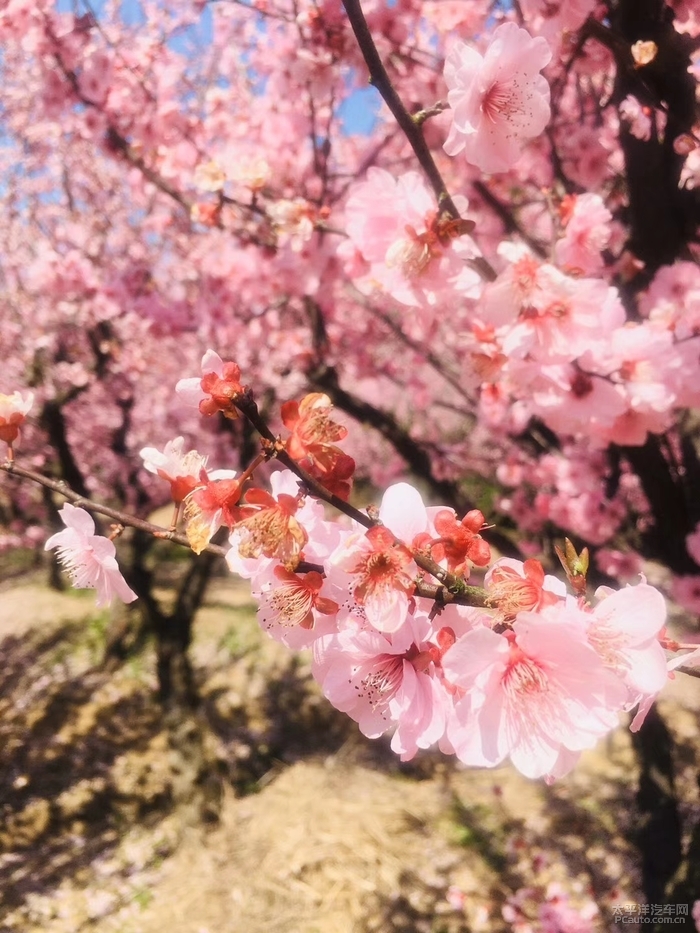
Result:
x=266 y=810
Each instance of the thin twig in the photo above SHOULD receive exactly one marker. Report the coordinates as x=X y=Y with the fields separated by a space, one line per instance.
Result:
x=412 y=131
x=690 y=671
x=123 y=518
x=454 y=590
x=505 y=213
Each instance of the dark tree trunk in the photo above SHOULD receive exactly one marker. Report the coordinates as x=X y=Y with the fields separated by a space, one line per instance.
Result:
x=662 y=215
x=174 y=635
x=172 y=631
x=659 y=834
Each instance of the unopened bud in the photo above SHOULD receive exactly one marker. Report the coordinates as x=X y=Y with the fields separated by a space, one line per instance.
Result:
x=575 y=566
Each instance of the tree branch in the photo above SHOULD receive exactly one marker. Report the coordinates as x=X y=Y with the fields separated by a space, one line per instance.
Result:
x=505 y=214
x=411 y=128
x=454 y=589
x=123 y=518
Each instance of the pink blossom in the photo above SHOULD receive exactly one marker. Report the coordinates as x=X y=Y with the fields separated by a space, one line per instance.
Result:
x=554 y=911
x=182 y=470
x=569 y=489
x=513 y=586
x=685 y=590
x=95 y=79
x=382 y=577
x=323 y=536
x=586 y=153
x=410 y=252
x=556 y=915
x=499 y=100
x=538 y=695
x=456 y=898
x=270 y=528
x=689 y=659
x=624 y=629
x=218 y=388
x=447 y=15
x=210 y=505
x=586 y=235
x=516 y=288
x=293 y=222
x=89 y=559
x=209 y=176
x=645 y=359
x=622 y=565
x=294 y=609
x=541 y=313
x=574 y=402
x=379 y=572
x=383 y=680
x=557 y=22
x=458 y=544
x=191 y=391
x=252 y=172
x=673 y=299
x=566 y=317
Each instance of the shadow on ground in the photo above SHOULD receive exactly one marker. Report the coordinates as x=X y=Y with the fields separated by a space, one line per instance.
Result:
x=65 y=728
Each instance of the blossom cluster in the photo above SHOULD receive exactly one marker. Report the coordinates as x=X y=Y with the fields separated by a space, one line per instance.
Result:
x=546 y=340
x=531 y=674
x=521 y=671
x=535 y=678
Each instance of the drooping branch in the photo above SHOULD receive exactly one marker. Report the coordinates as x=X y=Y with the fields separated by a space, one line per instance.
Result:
x=453 y=588
x=122 y=518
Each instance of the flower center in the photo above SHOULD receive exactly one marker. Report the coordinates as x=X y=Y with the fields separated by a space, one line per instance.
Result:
x=523 y=678
x=498 y=101
x=292 y=603
x=609 y=645
x=380 y=684
x=381 y=571
x=581 y=385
